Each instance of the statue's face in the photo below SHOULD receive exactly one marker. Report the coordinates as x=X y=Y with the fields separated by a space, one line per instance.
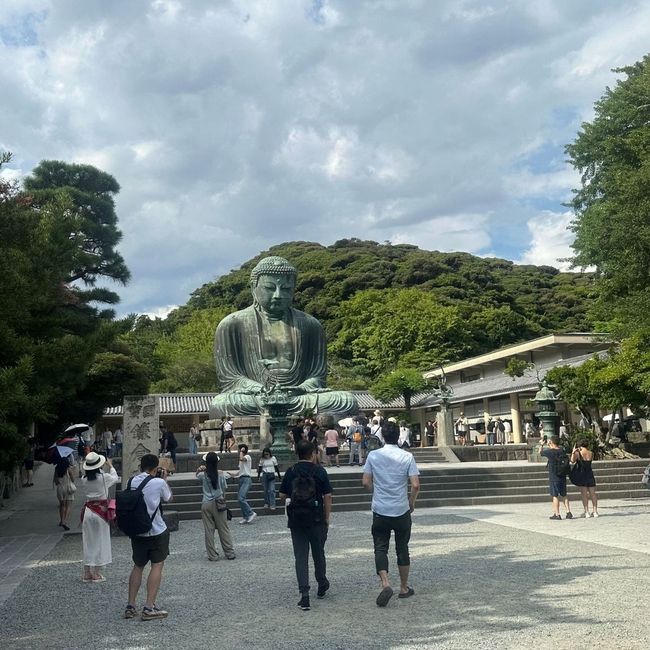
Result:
x=274 y=293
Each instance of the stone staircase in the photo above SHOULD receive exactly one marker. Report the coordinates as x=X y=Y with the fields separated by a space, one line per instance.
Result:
x=444 y=485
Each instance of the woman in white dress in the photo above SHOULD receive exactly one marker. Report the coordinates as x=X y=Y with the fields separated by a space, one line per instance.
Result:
x=97 y=513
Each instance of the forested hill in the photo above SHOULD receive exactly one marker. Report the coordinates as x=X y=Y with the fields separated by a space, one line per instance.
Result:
x=329 y=275
x=382 y=306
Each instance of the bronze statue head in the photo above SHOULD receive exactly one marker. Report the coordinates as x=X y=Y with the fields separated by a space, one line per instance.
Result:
x=273 y=281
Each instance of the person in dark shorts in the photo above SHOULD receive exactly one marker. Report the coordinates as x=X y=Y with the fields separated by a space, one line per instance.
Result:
x=556 y=483
x=229 y=435
x=152 y=546
x=332 y=446
x=582 y=475
x=28 y=464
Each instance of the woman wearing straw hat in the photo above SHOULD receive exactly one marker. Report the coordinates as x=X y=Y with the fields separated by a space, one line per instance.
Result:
x=97 y=513
x=214 y=512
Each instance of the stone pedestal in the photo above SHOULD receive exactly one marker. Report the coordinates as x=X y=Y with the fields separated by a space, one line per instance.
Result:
x=445 y=427
x=140 y=428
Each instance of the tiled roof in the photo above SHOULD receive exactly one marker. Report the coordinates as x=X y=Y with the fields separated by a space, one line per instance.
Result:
x=175 y=404
x=181 y=403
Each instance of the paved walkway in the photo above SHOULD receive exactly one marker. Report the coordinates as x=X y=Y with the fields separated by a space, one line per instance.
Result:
x=492 y=577
x=29 y=530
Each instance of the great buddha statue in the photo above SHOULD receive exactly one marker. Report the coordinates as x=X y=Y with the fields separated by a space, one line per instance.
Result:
x=273 y=352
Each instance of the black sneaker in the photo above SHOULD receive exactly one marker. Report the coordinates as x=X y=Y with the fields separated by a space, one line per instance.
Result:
x=569 y=515
x=555 y=517
x=303 y=603
x=322 y=590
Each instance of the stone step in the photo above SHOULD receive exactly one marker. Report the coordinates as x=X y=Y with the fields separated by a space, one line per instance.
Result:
x=446 y=486
x=189 y=501
x=432 y=502
x=443 y=476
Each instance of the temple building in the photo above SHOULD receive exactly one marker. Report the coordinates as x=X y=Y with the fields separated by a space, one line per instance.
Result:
x=481 y=389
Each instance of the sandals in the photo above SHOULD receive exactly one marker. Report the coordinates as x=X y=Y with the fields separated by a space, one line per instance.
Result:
x=384 y=596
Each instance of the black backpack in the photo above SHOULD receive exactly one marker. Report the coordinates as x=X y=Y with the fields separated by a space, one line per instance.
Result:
x=306 y=506
x=131 y=510
x=562 y=465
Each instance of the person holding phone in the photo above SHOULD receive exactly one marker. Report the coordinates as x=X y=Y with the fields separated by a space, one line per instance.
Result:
x=582 y=476
x=245 y=481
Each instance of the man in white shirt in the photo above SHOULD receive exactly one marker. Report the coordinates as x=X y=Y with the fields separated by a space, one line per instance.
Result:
x=507 y=430
x=388 y=473
x=107 y=442
x=119 y=442
x=404 y=440
x=152 y=546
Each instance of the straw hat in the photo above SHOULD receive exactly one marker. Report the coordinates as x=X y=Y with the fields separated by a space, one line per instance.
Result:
x=94 y=461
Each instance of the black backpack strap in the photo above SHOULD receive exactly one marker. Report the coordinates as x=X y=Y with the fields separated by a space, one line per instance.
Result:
x=141 y=487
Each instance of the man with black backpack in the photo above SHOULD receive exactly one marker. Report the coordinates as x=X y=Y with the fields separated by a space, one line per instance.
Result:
x=152 y=543
x=308 y=494
x=558 y=469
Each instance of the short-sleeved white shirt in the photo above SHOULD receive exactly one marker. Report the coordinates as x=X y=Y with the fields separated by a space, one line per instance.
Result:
x=390 y=468
x=245 y=466
x=154 y=492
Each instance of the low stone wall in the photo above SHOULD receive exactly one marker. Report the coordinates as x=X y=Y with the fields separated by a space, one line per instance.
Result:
x=475 y=453
x=245 y=430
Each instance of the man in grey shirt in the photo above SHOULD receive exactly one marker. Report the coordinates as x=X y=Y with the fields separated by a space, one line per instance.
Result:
x=388 y=473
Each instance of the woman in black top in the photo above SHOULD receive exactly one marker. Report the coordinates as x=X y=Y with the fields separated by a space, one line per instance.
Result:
x=582 y=476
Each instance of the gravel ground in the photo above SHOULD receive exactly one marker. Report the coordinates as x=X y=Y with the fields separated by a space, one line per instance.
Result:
x=477 y=584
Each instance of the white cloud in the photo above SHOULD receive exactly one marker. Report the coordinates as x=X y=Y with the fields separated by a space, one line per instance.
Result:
x=234 y=127
x=161 y=312
x=550 y=240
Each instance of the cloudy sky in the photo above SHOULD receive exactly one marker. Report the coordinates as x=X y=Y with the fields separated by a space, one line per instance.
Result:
x=235 y=125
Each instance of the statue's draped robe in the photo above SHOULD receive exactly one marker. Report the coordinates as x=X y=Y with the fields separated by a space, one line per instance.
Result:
x=240 y=349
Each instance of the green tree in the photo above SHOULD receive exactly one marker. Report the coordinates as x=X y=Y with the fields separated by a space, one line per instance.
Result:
x=186 y=355
x=94 y=235
x=402 y=382
x=624 y=380
x=53 y=337
x=382 y=329
x=575 y=386
x=612 y=206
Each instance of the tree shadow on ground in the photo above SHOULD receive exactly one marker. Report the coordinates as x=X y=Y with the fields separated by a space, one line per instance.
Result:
x=476 y=585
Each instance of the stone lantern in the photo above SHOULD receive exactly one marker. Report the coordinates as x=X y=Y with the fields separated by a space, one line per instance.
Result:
x=545 y=400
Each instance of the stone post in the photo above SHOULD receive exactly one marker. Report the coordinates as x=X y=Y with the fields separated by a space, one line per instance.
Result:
x=515 y=416
x=445 y=427
x=140 y=429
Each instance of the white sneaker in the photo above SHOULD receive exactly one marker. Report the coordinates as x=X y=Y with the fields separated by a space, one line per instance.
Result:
x=594 y=514
x=250 y=519
x=243 y=521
